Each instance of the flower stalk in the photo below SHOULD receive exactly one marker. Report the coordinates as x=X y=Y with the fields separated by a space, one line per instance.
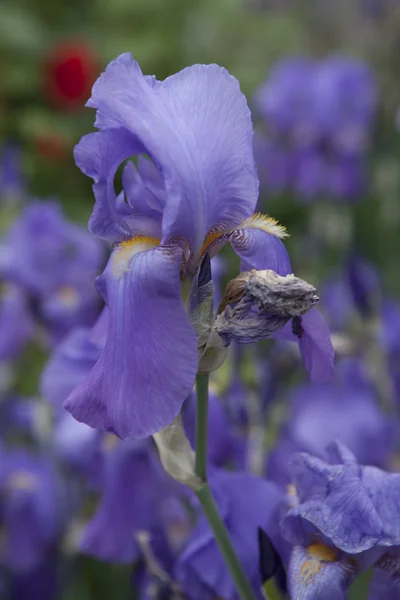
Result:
x=205 y=497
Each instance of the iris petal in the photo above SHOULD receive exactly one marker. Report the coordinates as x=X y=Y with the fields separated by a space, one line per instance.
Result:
x=197 y=129
x=312 y=577
x=149 y=362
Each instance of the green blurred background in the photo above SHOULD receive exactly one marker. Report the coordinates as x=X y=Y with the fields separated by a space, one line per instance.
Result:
x=246 y=36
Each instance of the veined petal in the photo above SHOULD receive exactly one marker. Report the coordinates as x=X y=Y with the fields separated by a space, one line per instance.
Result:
x=197 y=129
x=99 y=155
x=315 y=573
x=316 y=347
x=312 y=334
x=149 y=362
x=257 y=241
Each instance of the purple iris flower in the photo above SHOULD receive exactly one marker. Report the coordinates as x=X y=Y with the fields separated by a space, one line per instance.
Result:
x=246 y=503
x=318 y=117
x=135 y=497
x=16 y=322
x=33 y=509
x=43 y=252
x=198 y=193
x=346 y=520
x=348 y=411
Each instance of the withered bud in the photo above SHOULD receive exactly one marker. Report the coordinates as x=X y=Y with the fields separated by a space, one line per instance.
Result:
x=256 y=304
x=176 y=454
x=287 y=296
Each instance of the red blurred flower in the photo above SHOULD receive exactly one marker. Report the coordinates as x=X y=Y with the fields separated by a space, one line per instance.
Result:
x=70 y=70
x=51 y=146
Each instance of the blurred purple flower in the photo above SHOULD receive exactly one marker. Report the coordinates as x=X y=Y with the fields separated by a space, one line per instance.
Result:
x=69 y=365
x=365 y=286
x=246 y=503
x=347 y=411
x=43 y=252
x=199 y=197
x=33 y=509
x=70 y=306
x=16 y=322
x=319 y=117
x=135 y=497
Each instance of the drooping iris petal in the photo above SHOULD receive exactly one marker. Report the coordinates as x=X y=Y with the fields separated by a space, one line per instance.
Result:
x=196 y=127
x=316 y=347
x=149 y=362
x=314 y=573
x=315 y=344
x=68 y=366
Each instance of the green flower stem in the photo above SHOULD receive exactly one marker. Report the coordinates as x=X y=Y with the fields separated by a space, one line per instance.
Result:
x=201 y=426
x=360 y=588
x=206 y=499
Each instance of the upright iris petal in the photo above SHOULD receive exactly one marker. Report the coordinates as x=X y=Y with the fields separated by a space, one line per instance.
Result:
x=149 y=361
x=197 y=129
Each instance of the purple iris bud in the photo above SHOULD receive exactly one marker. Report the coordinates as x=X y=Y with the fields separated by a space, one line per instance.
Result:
x=346 y=521
x=33 y=509
x=16 y=322
x=43 y=252
x=135 y=497
x=246 y=504
x=348 y=411
x=190 y=200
